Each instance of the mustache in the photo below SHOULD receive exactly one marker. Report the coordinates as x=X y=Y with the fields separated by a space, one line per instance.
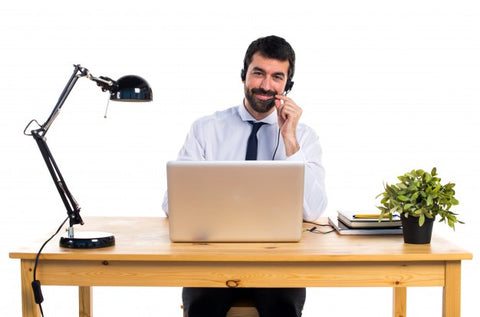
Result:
x=264 y=92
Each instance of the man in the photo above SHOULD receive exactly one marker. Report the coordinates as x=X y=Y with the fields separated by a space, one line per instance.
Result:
x=269 y=66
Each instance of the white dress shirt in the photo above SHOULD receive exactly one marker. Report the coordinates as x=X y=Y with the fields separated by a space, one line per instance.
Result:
x=223 y=137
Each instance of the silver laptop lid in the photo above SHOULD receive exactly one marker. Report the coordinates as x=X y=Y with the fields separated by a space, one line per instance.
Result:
x=243 y=201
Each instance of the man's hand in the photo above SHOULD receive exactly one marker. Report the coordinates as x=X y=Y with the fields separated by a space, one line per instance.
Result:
x=288 y=114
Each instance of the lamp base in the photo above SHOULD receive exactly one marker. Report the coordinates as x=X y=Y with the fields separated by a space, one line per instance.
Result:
x=88 y=240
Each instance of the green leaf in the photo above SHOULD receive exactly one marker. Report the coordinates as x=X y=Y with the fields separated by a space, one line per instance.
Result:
x=429 y=200
x=407 y=206
x=421 y=220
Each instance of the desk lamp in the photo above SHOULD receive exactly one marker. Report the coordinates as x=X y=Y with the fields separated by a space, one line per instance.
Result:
x=127 y=88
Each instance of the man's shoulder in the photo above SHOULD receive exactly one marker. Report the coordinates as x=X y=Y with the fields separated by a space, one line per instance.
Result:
x=219 y=116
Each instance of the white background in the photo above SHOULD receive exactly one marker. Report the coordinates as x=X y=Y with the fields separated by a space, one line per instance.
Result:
x=388 y=85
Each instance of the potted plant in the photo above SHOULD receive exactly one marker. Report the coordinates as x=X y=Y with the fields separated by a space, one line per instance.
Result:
x=419 y=198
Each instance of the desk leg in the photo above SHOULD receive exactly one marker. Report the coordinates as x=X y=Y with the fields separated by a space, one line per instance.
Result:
x=452 y=289
x=29 y=307
x=399 y=302
x=85 y=301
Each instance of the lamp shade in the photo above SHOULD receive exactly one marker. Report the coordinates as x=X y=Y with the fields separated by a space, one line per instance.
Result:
x=132 y=88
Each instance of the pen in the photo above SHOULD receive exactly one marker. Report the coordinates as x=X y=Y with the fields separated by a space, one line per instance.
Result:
x=366 y=216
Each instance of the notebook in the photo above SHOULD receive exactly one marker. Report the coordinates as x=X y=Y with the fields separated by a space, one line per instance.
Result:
x=343 y=229
x=235 y=201
x=364 y=220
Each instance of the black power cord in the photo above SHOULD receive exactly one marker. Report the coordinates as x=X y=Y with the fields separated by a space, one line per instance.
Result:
x=315 y=229
x=36 y=285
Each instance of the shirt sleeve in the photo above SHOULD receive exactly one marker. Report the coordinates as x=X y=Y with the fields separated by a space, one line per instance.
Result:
x=192 y=150
x=315 y=197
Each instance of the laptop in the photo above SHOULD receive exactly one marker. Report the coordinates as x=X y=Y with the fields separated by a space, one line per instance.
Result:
x=235 y=201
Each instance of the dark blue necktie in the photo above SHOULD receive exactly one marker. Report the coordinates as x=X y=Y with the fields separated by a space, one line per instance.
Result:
x=253 y=141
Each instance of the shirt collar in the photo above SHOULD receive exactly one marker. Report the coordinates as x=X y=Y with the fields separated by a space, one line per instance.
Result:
x=246 y=116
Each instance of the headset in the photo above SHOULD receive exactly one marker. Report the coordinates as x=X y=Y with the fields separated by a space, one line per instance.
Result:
x=288 y=85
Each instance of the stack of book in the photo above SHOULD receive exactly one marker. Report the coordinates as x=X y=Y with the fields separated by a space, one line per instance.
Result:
x=365 y=223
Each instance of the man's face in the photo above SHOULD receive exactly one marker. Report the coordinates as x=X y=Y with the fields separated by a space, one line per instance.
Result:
x=265 y=78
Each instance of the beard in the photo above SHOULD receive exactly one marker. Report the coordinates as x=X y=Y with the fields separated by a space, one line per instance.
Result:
x=260 y=105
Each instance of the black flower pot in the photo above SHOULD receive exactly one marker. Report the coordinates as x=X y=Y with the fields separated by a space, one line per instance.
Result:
x=413 y=233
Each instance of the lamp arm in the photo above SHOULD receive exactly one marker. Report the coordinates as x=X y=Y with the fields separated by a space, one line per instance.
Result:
x=73 y=208
x=104 y=82
x=77 y=73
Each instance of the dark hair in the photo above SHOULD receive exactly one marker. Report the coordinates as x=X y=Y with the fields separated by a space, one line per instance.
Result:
x=271 y=47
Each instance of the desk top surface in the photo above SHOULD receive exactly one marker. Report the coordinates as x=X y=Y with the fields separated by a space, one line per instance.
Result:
x=146 y=239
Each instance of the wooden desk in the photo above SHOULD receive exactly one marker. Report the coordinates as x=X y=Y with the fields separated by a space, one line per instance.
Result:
x=144 y=256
